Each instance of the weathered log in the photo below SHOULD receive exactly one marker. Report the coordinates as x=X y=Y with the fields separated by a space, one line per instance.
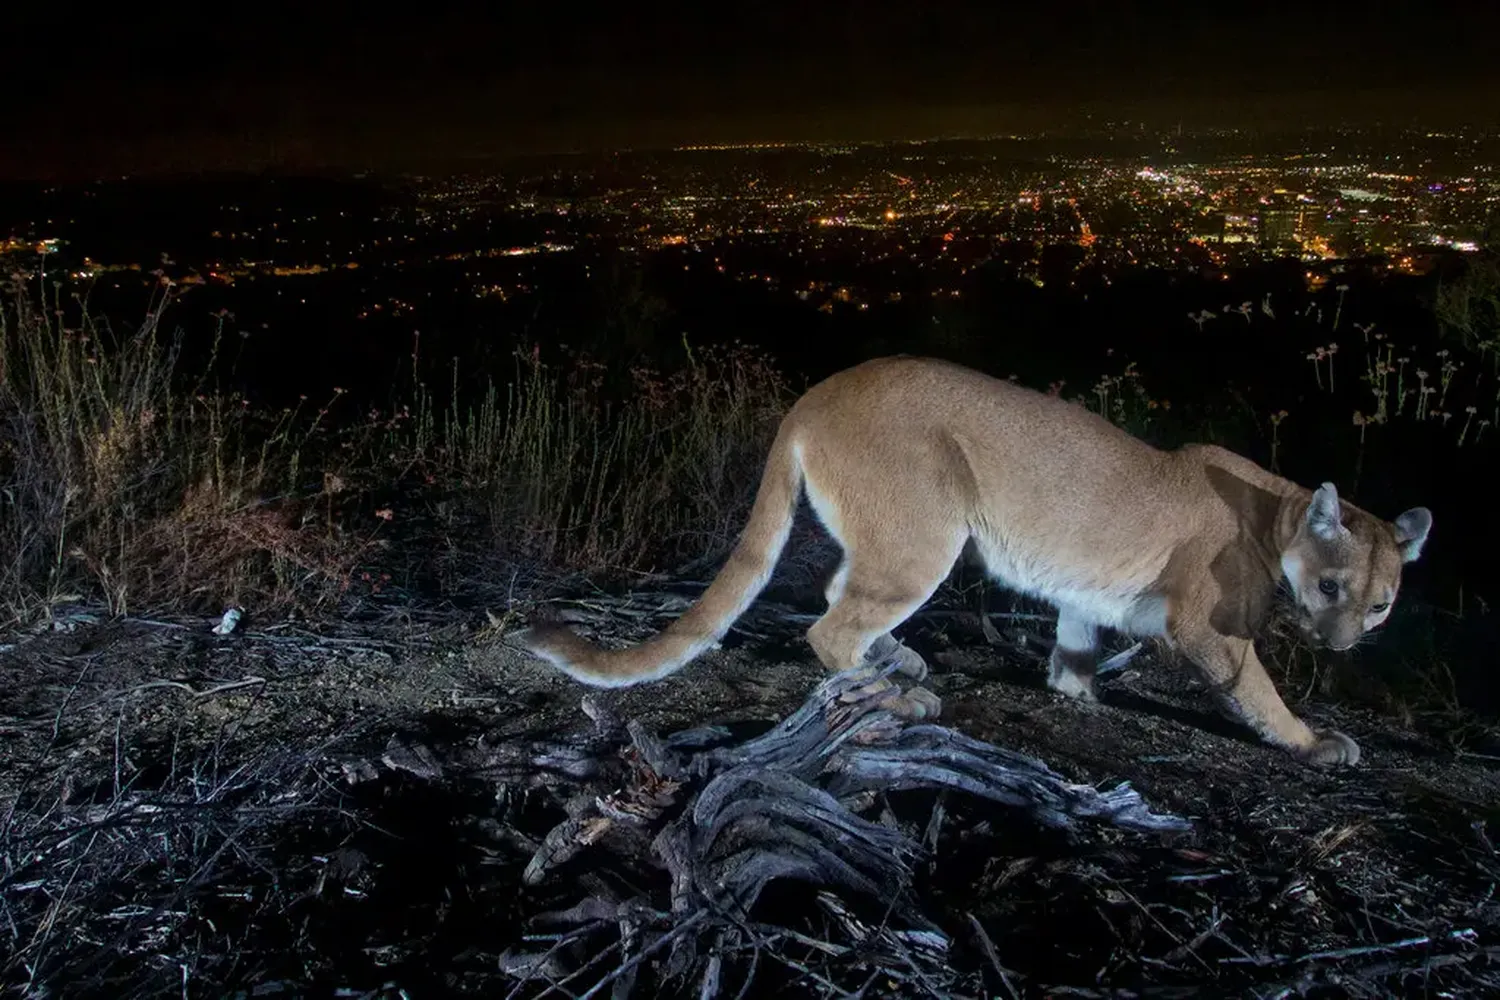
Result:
x=730 y=819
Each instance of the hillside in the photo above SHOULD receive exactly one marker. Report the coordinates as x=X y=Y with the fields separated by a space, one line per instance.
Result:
x=288 y=810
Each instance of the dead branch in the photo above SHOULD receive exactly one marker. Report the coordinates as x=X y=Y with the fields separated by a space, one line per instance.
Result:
x=721 y=823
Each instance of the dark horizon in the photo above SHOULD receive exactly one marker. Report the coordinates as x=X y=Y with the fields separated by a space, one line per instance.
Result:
x=112 y=94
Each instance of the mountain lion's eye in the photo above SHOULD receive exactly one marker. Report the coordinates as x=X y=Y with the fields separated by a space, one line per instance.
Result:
x=1330 y=588
x=1376 y=609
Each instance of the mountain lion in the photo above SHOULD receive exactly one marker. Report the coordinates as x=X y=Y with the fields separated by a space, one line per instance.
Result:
x=906 y=460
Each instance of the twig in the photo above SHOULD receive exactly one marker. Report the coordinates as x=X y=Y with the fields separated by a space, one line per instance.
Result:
x=1191 y=947
x=989 y=952
x=540 y=961
x=821 y=980
x=1463 y=934
x=655 y=946
x=154 y=623
x=179 y=685
x=1181 y=945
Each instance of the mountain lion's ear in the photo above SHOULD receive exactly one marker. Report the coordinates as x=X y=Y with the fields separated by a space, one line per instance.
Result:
x=1411 y=532
x=1323 y=518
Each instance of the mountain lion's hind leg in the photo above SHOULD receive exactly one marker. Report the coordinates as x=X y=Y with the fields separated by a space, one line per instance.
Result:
x=885 y=645
x=883 y=581
x=1075 y=657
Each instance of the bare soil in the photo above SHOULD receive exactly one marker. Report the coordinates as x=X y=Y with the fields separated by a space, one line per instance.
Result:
x=196 y=814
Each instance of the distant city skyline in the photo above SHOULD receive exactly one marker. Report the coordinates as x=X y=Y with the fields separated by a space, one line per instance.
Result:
x=1098 y=207
x=109 y=93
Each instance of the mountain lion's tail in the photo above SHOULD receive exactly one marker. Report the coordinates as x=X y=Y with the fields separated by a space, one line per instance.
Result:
x=743 y=577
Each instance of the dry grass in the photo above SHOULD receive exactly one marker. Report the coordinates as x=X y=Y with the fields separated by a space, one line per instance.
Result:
x=128 y=478
x=577 y=476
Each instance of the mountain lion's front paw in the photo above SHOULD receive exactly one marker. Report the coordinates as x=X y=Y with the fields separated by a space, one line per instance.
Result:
x=1333 y=747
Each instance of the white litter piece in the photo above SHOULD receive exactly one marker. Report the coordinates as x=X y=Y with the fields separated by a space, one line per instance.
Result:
x=229 y=622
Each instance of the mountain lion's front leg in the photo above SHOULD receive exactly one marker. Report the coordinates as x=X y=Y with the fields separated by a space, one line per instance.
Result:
x=1075 y=658
x=1231 y=666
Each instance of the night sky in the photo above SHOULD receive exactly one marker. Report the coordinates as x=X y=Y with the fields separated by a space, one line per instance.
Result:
x=247 y=84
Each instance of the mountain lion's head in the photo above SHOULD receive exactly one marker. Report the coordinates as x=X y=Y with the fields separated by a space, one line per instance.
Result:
x=1344 y=566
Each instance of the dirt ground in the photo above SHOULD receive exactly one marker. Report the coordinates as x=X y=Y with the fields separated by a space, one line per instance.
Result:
x=275 y=876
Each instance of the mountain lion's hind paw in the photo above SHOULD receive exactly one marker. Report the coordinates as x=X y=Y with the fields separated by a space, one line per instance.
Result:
x=873 y=686
x=912 y=665
x=909 y=662
x=917 y=705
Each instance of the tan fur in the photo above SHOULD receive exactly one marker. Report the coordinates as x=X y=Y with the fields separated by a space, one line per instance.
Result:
x=905 y=460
